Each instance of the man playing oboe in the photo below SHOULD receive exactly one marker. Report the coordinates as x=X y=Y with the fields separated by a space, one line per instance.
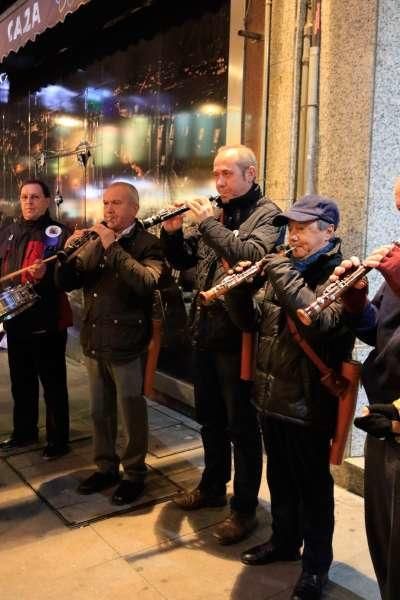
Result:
x=297 y=412
x=376 y=322
x=223 y=407
x=118 y=272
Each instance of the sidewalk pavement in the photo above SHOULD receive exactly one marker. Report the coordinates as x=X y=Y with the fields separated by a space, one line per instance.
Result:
x=156 y=552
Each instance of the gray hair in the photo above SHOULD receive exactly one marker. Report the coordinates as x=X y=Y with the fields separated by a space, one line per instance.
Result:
x=132 y=191
x=245 y=156
x=323 y=225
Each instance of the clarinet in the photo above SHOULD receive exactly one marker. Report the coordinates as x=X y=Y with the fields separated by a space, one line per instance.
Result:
x=166 y=214
x=69 y=251
x=232 y=281
x=332 y=293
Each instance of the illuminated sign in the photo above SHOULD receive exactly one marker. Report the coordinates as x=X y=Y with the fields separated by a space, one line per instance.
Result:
x=22 y=22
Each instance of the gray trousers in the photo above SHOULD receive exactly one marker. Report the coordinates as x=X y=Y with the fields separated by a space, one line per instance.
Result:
x=116 y=387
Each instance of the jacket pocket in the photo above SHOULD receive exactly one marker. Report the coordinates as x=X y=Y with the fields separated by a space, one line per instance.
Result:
x=125 y=334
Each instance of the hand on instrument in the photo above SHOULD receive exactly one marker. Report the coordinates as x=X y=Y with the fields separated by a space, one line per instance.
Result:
x=347 y=266
x=106 y=235
x=376 y=257
x=239 y=267
x=174 y=223
x=389 y=266
x=355 y=297
x=37 y=270
x=201 y=209
x=72 y=238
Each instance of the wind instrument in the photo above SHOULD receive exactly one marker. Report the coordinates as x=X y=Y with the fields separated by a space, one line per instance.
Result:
x=69 y=250
x=232 y=281
x=332 y=293
x=168 y=213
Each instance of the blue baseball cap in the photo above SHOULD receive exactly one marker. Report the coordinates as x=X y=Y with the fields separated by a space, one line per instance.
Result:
x=310 y=208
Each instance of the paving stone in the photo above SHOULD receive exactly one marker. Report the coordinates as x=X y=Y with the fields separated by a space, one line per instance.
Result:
x=159 y=420
x=56 y=482
x=173 y=439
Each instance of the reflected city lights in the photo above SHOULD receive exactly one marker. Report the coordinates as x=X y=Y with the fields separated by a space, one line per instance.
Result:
x=56 y=97
x=97 y=94
x=66 y=121
x=110 y=138
x=211 y=109
x=4 y=88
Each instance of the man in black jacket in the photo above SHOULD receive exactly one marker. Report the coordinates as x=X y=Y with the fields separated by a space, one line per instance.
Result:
x=298 y=414
x=376 y=322
x=244 y=230
x=118 y=272
x=37 y=336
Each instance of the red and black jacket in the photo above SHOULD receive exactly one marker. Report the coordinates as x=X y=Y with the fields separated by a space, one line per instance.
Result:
x=21 y=243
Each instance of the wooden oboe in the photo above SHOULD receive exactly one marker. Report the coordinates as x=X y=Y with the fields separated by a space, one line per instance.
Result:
x=332 y=293
x=232 y=281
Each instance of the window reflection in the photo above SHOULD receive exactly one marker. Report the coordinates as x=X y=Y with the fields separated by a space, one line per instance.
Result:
x=152 y=115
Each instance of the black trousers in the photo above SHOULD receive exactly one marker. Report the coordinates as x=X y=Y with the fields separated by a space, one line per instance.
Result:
x=382 y=512
x=32 y=358
x=228 y=419
x=301 y=488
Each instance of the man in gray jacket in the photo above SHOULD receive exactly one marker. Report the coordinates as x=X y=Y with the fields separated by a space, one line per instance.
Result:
x=118 y=271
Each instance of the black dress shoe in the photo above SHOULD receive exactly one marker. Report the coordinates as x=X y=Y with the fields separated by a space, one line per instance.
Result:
x=127 y=492
x=266 y=553
x=97 y=482
x=198 y=498
x=14 y=443
x=235 y=528
x=309 y=586
x=53 y=451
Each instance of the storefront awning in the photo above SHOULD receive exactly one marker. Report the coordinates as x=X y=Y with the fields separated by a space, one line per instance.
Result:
x=98 y=29
x=26 y=19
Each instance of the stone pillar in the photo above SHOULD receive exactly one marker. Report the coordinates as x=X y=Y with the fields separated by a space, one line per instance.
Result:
x=383 y=222
x=348 y=38
x=279 y=130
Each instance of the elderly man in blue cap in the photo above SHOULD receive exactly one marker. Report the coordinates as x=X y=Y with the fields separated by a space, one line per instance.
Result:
x=297 y=412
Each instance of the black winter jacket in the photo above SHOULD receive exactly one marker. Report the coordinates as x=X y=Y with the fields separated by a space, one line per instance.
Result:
x=118 y=286
x=20 y=243
x=246 y=233
x=379 y=326
x=287 y=384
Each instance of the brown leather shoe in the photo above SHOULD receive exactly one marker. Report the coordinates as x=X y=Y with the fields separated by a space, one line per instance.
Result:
x=196 y=499
x=235 y=528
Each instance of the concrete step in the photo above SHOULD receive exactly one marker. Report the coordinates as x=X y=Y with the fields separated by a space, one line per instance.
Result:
x=350 y=475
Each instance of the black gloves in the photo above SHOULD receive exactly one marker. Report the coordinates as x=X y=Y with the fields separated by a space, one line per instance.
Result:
x=387 y=410
x=379 y=422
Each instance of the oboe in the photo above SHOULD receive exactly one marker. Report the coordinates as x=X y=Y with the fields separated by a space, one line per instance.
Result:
x=232 y=281
x=166 y=214
x=332 y=293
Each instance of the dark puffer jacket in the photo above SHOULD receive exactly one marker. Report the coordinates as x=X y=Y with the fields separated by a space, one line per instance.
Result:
x=118 y=285
x=246 y=233
x=379 y=326
x=20 y=244
x=287 y=385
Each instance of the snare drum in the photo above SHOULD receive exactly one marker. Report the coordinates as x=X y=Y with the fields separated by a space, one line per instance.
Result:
x=14 y=300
